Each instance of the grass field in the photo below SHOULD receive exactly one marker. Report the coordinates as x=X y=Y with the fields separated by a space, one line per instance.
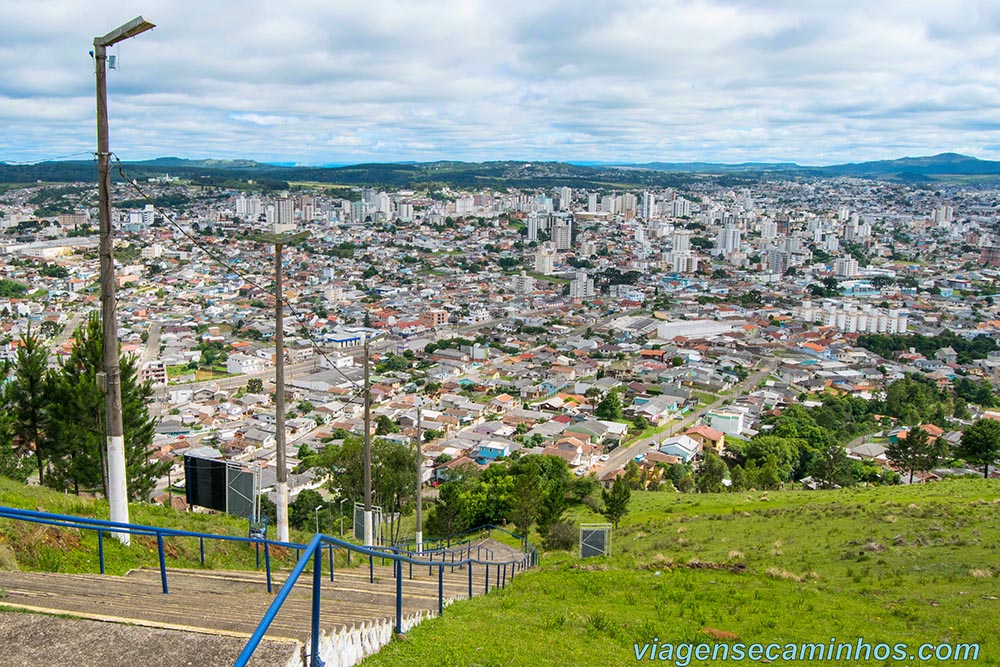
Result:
x=896 y=565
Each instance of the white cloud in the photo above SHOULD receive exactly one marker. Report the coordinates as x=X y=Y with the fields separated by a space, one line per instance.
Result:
x=639 y=80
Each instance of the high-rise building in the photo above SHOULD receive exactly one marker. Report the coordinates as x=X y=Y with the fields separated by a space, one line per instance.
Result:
x=845 y=267
x=532 y=226
x=581 y=287
x=565 y=198
x=523 y=283
x=727 y=241
x=682 y=241
x=592 y=202
x=648 y=206
x=562 y=234
x=545 y=259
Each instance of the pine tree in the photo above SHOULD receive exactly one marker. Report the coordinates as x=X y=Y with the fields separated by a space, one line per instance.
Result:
x=616 y=501
x=26 y=399
x=914 y=453
x=78 y=424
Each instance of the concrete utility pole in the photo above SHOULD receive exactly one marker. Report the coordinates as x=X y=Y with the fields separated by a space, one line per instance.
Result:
x=117 y=479
x=368 y=451
x=420 y=481
x=281 y=490
x=279 y=400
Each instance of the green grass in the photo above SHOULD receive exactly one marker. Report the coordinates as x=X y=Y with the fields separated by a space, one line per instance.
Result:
x=29 y=546
x=897 y=564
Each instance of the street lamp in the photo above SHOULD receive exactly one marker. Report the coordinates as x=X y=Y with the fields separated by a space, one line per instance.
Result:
x=342 y=501
x=117 y=482
x=316 y=512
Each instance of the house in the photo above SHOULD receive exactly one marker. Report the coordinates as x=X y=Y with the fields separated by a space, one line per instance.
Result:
x=683 y=447
x=491 y=450
x=730 y=422
x=707 y=436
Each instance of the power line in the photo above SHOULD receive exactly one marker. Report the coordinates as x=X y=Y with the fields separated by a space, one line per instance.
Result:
x=240 y=274
x=22 y=163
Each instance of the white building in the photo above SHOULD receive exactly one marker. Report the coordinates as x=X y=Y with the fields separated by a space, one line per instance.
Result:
x=545 y=258
x=581 y=287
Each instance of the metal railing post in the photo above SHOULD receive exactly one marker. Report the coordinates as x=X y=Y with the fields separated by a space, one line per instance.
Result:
x=398 y=565
x=201 y=548
x=317 y=580
x=487 y=578
x=504 y=583
x=100 y=548
x=331 y=562
x=267 y=564
x=441 y=590
x=470 y=579
x=163 y=562
x=371 y=569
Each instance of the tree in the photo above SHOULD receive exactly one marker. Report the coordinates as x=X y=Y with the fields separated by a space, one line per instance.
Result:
x=769 y=477
x=738 y=478
x=385 y=426
x=302 y=510
x=610 y=407
x=526 y=499
x=255 y=386
x=914 y=452
x=981 y=443
x=831 y=467
x=710 y=474
x=616 y=501
x=78 y=425
x=27 y=399
x=446 y=516
x=632 y=476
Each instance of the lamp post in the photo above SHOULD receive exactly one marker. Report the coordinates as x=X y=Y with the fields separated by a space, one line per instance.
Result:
x=316 y=512
x=117 y=483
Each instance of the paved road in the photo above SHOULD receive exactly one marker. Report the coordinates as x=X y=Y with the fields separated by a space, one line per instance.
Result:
x=152 y=350
x=621 y=456
x=68 y=331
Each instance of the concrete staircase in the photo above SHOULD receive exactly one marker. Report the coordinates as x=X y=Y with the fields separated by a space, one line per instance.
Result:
x=223 y=606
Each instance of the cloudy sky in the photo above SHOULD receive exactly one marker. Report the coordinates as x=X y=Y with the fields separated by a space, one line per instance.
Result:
x=344 y=81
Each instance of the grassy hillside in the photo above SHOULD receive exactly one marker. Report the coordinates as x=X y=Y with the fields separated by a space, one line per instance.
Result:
x=29 y=546
x=894 y=565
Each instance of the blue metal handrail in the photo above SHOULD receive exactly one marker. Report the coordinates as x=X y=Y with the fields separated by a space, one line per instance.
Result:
x=313 y=550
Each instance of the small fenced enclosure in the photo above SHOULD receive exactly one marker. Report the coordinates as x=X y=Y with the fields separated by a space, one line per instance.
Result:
x=595 y=539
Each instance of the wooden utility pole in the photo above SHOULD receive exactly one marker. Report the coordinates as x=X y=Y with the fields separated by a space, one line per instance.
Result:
x=368 y=450
x=281 y=466
x=117 y=487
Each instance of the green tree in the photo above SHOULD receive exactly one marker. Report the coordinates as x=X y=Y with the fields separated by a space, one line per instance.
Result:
x=633 y=476
x=610 y=407
x=981 y=443
x=770 y=477
x=616 y=500
x=27 y=399
x=446 y=516
x=78 y=425
x=302 y=510
x=915 y=452
x=831 y=467
x=255 y=386
x=527 y=497
x=385 y=426
x=710 y=474
x=738 y=478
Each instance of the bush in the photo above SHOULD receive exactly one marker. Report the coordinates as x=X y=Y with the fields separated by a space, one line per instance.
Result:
x=562 y=536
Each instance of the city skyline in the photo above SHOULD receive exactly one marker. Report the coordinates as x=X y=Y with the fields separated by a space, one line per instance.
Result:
x=396 y=81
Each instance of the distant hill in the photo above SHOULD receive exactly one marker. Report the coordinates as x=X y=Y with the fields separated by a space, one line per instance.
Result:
x=946 y=167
